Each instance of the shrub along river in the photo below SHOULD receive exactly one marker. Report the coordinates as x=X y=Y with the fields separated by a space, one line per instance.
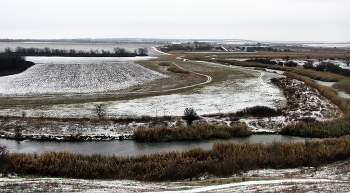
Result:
x=132 y=147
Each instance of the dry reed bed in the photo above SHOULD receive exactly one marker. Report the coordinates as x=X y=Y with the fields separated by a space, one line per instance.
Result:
x=194 y=132
x=332 y=128
x=305 y=75
x=223 y=159
x=317 y=75
x=343 y=85
x=325 y=91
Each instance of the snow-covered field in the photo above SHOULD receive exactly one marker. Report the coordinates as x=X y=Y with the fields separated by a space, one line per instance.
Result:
x=241 y=88
x=231 y=95
x=77 y=75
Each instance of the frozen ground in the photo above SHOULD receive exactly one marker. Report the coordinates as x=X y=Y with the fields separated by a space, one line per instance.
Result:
x=216 y=97
x=66 y=75
x=222 y=97
x=330 y=178
x=341 y=63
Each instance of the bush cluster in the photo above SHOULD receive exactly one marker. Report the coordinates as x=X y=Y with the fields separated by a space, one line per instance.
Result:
x=262 y=60
x=223 y=159
x=194 y=132
x=330 y=67
x=259 y=111
x=178 y=70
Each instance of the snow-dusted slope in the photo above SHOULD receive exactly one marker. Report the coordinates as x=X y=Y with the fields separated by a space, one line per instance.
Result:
x=77 y=76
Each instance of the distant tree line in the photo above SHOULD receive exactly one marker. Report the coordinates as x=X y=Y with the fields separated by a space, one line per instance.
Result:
x=117 y=52
x=11 y=63
x=196 y=47
x=309 y=64
x=269 y=49
x=288 y=63
x=262 y=60
x=327 y=66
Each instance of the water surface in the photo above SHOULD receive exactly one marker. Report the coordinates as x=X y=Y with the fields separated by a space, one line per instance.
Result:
x=132 y=147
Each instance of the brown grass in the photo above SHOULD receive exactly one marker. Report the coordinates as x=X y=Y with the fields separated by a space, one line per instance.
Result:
x=224 y=159
x=343 y=85
x=164 y=64
x=178 y=70
x=197 y=131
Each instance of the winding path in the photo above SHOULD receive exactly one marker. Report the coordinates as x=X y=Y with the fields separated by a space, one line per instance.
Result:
x=248 y=184
x=209 y=79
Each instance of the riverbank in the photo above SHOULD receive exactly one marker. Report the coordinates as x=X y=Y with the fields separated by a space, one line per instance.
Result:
x=328 y=178
x=304 y=103
x=221 y=160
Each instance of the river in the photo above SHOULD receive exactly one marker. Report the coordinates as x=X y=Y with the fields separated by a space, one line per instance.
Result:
x=132 y=147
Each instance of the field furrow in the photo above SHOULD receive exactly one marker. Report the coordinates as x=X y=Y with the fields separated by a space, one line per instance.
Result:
x=79 y=77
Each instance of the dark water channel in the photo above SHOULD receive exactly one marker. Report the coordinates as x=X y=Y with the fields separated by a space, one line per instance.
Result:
x=132 y=147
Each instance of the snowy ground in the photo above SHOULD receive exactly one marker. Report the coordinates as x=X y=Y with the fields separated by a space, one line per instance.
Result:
x=244 y=88
x=330 y=178
x=341 y=63
x=77 y=75
x=229 y=96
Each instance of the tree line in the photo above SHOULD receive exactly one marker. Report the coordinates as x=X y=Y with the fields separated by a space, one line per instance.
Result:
x=269 y=49
x=309 y=64
x=117 y=52
x=327 y=66
x=196 y=47
x=11 y=63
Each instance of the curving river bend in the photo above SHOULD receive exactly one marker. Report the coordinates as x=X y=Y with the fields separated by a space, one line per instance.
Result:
x=132 y=147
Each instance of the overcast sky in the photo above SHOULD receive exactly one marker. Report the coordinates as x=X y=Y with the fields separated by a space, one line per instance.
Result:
x=263 y=20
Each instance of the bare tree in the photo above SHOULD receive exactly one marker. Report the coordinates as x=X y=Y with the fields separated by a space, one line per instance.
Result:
x=190 y=115
x=142 y=51
x=100 y=110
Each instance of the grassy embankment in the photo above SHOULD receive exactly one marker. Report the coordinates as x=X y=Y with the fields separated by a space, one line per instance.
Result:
x=223 y=159
x=332 y=128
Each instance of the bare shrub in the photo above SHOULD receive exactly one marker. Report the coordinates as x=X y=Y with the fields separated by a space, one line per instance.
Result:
x=164 y=64
x=178 y=70
x=100 y=110
x=4 y=158
x=190 y=115
x=259 y=111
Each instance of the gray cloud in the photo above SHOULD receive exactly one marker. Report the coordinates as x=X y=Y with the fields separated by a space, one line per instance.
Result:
x=297 y=20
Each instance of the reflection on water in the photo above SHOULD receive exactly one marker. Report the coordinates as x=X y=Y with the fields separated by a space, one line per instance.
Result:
x=330 y=84
x=131 y=147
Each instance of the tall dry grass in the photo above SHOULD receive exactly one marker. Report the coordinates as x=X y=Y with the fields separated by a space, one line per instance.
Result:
x=333 y=128
x=318 y=75
x=337 y=127
x=194 y=132
x=223 y=159
x=343 y=85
